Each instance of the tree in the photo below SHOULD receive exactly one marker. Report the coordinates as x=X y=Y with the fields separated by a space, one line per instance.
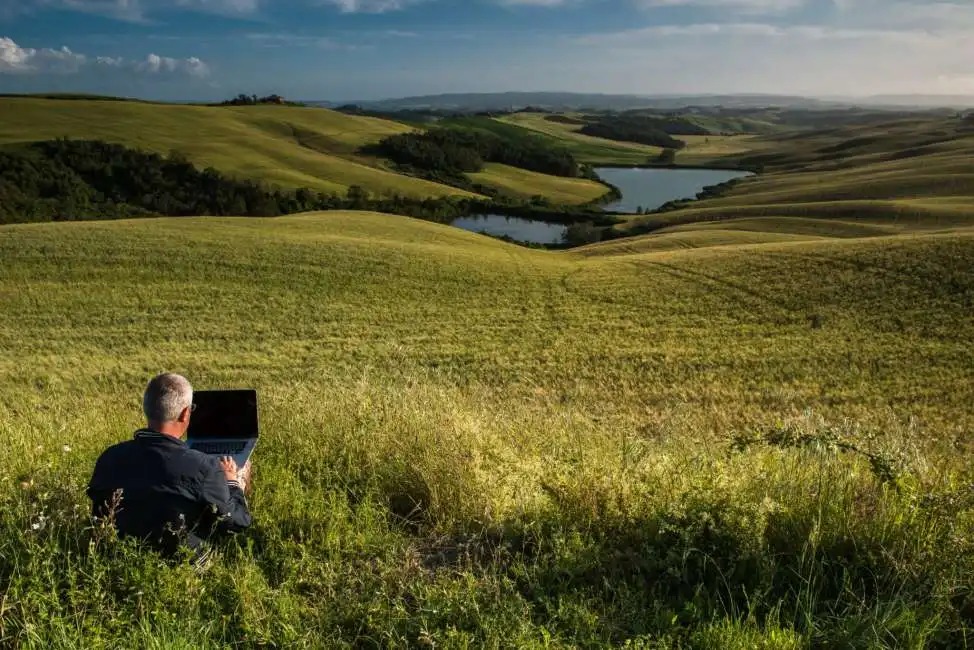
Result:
x=666 y=157
x=357 y=195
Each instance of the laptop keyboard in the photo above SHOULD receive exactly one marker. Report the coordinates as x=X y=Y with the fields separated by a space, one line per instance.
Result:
x=220 y=448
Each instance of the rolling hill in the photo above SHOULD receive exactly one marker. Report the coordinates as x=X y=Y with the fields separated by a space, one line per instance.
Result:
x=288 y=146
x=474 y=444
x=292 y=147
x=748 y=425
x=899 y=176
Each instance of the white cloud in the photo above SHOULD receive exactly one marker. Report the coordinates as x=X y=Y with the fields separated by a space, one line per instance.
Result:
x=241 y=7
x=907 y=13
x=743 y=6
x=535 y=3
x=780 y=33
x=297 y=40
x=131 y=10
x=15 y=59
x=850 y=57
x=369 y=6
x=155 y=64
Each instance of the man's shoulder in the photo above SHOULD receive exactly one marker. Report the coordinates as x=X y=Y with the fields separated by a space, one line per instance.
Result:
x=204 y=460
x=119 y=448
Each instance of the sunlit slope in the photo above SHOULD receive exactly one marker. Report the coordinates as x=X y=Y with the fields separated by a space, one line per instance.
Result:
x=814 y=228
x=586 y=148
x=288 y=146
x=264 y=301
x=525 y=183
x=702 y=238
x=700 y=150
x=904 y=175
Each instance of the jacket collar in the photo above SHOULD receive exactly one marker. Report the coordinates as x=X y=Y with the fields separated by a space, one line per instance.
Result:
x=154 y=436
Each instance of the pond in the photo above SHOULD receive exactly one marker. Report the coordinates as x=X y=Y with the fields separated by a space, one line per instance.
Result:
x=641 y=188
x=651 y=188
x=522 y=230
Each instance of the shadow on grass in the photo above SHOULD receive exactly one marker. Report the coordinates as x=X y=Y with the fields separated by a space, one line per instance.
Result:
x=675 y=572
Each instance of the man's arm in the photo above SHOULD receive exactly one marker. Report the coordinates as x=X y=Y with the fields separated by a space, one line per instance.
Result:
x=222 y=493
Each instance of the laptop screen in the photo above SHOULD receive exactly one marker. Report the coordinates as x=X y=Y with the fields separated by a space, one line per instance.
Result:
x=224 y=414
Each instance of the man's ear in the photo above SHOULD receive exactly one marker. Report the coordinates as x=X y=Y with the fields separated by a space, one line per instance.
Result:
x=184 y=415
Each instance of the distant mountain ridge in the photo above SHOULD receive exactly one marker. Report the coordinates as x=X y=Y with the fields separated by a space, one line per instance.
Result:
x=563 y=101
x=575 y=101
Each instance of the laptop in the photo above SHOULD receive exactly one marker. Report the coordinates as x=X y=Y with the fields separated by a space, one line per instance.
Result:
x=224 y=423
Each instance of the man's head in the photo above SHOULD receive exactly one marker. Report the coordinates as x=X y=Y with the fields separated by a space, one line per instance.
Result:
x=168 y=402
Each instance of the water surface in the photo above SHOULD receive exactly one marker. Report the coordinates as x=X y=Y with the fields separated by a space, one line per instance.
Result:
x=651 y=188
x=523 y=230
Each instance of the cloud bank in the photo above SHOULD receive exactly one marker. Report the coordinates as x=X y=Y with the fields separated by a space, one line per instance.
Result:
x=15 y=59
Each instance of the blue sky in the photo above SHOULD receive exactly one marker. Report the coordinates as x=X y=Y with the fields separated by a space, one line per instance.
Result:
x=370 y=49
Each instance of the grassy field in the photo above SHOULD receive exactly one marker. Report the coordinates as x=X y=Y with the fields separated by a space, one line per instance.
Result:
x=900 y=176
x=714 y=149
x=287 y=146
x=701 y=150
x=585 y=148
x=468 y=444
x=526 y=184
x=283 y=145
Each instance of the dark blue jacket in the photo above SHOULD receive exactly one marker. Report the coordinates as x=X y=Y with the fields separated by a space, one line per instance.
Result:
x=159 y=490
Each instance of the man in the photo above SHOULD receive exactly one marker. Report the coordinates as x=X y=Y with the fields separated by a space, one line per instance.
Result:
x=157 y=489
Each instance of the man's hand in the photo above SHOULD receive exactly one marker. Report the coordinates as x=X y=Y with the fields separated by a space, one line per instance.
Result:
x=229 y=467
x=243 y=477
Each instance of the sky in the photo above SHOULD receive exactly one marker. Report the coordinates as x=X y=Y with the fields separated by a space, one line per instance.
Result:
x=346 y=50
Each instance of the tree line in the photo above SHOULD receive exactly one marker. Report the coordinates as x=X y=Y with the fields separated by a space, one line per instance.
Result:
x=65 y=180
x=253 y=100
x=644 y=129
x=449 y=153
x=68 y=180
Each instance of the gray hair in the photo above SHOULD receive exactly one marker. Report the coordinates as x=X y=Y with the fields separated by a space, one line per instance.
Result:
x=165 y=397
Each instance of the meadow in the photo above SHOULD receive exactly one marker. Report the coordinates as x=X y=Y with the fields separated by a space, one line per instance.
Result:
x=467 y=443
x=285 y=146
x=894 y=176
x=585 y=148
x=700 y=150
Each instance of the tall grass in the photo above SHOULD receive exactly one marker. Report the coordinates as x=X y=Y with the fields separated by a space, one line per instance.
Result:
x=469 y=444
x=391 y=516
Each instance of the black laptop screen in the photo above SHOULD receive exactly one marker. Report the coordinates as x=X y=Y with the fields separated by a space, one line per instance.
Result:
x=224 y=414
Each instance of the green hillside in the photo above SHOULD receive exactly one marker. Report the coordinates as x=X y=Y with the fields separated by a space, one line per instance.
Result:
x=526 y=184
x=467 y=443
x=293 y=147
x=894 y=177
x=289 y=146
x=585 y=148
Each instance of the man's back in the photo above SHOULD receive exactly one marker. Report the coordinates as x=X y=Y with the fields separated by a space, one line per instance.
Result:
x=157 y=489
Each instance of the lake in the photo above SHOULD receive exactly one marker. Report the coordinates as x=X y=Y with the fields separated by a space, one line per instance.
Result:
x=651 y=188
x=523 y=230
x=645 y=188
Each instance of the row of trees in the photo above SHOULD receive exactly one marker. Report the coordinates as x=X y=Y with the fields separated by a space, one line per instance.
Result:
x=254 y=100
x=654 y=131
x=64 y=180
x=453 y=152
x=67 y=180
